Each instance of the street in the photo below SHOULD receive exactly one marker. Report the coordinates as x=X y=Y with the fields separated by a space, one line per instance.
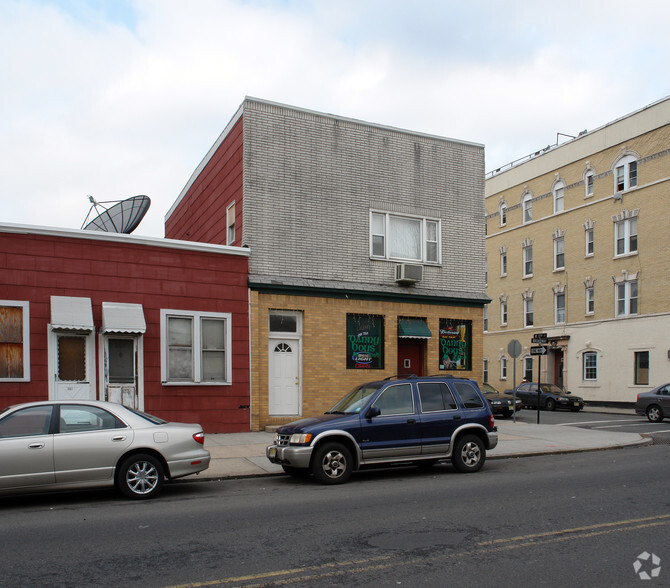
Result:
x=556 y=520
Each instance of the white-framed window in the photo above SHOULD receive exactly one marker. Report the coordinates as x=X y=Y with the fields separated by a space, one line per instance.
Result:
x=14 y=341
x=625 y=236
x=503 y=262
x=590 y=299
x=590 y=365
x=588 y=241
x=195 y=347
x=503 y=368
x=626 y=298
x=503 y=312
x=486 y=318
x=589 y=182
x=528 y=368
x=527 y=205
x=503 y=214
x=230 y=224
x=559 y=197
x=405 y=238
x=559 y=253
x=528 y=311
x=485 y=371
x=625 y=174
x=527 y=259
x=559 y=307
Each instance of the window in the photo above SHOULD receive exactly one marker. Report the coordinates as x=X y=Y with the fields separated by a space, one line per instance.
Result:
x=625 y=174
x=230 y=224
x=590 y=361
x=559 y=253
x=503 y=214
x=75 y=419
x=590 y=299
x=626 y=298
x=435 y=396
x=625 y=236
x=528 y=368
x=485 y=375
x=396 y=400
x=27 y=422
x=527 y=260
x=559 y=197
x=503 y=368
x=528 y=312
x=559 y=299
x=588 y=182
x=14 y=341
x=588 y=238
x=503 y=312
x=527 y=208
x=642 y=368
x=195 y=347
x=486 y=319
x=468 y=395
x=503 y=263
x=404 y=238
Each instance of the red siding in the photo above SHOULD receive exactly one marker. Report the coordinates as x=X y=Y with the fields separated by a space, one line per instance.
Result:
x=35 y=267
x=201 y=214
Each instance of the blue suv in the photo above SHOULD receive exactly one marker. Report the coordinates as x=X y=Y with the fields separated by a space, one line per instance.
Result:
x=419 y=419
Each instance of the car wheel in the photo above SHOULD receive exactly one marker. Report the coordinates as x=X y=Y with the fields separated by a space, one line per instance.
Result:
x=550 y=404
x=140 y=476
x=654 y=413
x=332 y=463
x=469 y=454
x=296 y=472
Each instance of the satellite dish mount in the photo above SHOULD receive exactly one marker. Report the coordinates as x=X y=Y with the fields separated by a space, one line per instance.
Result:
x=122 y=217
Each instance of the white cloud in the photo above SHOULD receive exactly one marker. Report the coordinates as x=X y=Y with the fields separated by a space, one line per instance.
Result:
x=115 y=99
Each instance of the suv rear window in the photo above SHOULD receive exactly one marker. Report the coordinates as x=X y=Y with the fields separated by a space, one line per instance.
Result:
x=435 y=396
x=468 y=395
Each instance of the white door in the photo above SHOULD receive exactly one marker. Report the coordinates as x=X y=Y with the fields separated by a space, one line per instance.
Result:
x=121 y=382
x=284 y=389
x=72 y=367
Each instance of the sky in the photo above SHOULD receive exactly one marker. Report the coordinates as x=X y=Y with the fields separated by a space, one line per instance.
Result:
x=116 y=98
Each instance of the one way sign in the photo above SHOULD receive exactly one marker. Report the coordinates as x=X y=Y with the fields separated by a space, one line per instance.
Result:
x=538 y=350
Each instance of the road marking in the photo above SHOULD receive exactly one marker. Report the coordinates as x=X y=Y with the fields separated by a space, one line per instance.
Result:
x=329 y=570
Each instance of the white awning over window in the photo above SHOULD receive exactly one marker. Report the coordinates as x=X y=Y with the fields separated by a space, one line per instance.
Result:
x=71 y=313
x=118 y=317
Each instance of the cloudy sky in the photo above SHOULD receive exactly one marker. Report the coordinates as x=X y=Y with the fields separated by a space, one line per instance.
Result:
x=114 y=98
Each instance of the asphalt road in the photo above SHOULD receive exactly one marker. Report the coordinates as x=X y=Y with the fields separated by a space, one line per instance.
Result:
x=559 y=520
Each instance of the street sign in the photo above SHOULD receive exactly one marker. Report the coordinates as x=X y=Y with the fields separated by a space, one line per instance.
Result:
x=540 y=338
x=538 y=350
x=514 y=348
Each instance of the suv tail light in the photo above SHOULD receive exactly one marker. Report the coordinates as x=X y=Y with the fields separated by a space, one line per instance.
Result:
x=493 y=422
x=199 y=437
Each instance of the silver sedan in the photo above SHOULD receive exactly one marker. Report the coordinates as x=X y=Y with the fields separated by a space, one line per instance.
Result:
x=61 y=445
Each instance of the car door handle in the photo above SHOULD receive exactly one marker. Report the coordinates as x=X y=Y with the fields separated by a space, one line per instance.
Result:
x=411 y=421
x=119 y=438
x=36 y=446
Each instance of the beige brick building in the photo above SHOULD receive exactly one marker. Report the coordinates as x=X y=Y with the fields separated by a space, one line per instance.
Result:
x=576 y=248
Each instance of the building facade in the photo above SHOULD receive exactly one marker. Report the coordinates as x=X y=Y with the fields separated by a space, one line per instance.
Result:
x=575 y=250
x=367 y=250
x=158 y=325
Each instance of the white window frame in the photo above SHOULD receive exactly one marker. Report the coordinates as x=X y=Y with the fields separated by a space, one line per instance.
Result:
x=590 y=300
x=559 y=197
x=25 y=306
x=503 y=214
x=626 y=298
x=503 y=264
x=528 y=367
x=625 y=174
x=486 y=318
x=503 y=313
x=589 y=246
x=559 y=253
x=230 y=224
x=196 y=323
x=527 y=206
x=625 y=233
x=588 y=366
x=485 y=370
x=503 y=368
x=528 y=312
x=527 y=260
x=559 y=311
x=427 y=224
x=589 y=184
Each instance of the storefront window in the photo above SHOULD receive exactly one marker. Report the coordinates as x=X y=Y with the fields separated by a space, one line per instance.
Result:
x=455 y=344
x=365 y=341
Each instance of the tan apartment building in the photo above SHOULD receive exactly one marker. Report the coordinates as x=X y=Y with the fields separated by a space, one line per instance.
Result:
x=576 y=248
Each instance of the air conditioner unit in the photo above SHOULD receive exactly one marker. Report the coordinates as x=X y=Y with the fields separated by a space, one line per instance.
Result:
x=406 y=273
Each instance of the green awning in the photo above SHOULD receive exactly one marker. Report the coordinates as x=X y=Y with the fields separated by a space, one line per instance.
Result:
x=413 y=328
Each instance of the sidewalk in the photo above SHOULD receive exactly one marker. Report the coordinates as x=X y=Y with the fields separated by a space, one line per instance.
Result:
x=236 y=455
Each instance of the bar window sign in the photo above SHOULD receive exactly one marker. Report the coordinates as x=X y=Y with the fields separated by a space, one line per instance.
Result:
x=365 y=341
x=455 y=344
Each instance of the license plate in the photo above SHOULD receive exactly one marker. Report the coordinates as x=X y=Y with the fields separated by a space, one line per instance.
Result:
x=576 y=403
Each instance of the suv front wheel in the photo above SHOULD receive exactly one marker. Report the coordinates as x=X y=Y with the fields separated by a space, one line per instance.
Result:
x=332 y=463
x=469 y=454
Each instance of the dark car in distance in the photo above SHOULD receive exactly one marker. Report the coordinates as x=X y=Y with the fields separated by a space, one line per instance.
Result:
x=501 y=404
x=418 y=420
x=655 y=404
x=551 y=397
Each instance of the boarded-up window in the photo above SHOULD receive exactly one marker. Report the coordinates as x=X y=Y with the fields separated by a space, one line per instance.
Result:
x=11 y=342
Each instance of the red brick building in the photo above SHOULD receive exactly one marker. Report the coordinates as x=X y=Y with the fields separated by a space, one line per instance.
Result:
x=158 y=324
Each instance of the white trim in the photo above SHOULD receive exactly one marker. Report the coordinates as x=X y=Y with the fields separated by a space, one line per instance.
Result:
x=25 y=317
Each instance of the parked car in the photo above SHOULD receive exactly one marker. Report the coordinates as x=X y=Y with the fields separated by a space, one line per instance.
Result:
x=501 y=404
x=655 y=404
x=419 y=419
x=551 y=397
x=62 y=445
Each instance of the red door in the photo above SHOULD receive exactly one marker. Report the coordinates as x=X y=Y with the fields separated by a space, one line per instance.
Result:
x=410 y=357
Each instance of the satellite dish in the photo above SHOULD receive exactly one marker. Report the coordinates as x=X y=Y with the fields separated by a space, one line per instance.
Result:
x=122 y=217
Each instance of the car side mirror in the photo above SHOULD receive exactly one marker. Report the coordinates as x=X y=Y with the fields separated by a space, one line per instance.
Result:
x=372 y=412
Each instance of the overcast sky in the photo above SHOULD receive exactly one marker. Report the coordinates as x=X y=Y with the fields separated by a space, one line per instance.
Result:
x=123 y=97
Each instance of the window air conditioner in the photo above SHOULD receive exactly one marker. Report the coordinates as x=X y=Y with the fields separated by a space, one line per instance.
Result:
x=406 y=273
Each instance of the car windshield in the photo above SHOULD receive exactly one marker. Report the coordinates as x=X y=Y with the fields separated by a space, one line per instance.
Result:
x=154 y=420
x=353 y=402
x=551 y=389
